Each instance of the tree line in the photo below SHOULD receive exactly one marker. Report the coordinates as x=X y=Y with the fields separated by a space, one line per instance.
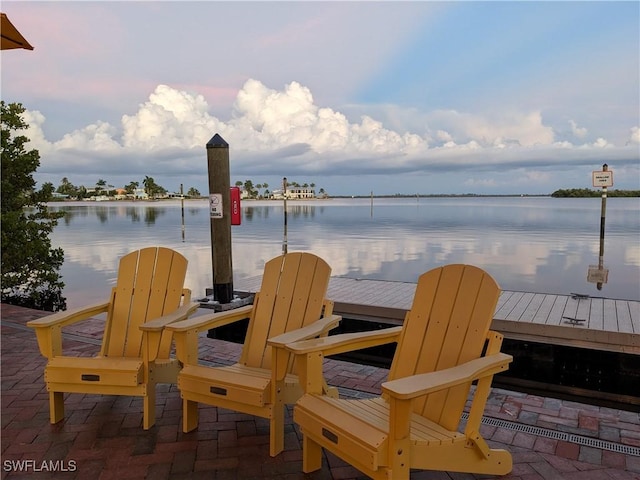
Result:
x=588 y=192
x=261 y=190
x=151 y=188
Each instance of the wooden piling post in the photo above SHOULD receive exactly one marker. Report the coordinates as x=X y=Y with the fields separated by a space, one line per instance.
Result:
x=599 y=274
x=603 y=213
x=182 y=209
x=220 y=218
x=285 y=241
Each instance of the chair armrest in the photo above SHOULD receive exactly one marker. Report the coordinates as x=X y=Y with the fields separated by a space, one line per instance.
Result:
x=181 y=313
x=49 y=329
x=317 y=328
x=345 y=342
x=186 y=332
x=212 y=320
x=419 y=385
x=69 y=317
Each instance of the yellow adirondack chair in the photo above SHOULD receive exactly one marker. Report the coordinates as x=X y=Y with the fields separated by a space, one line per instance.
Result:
x=291 y=305
x=444 y=344
x=135 y=351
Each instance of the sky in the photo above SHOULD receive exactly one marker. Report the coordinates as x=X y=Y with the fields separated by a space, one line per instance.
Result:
x=355 y=97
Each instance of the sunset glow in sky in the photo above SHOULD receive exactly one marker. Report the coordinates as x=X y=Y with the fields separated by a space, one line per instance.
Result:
x=390 y=97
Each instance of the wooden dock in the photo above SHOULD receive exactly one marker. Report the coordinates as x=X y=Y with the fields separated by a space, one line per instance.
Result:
x=569 y=320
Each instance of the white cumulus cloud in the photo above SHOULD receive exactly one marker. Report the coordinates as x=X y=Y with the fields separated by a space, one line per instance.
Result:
x=271 y=130
x=577 y=131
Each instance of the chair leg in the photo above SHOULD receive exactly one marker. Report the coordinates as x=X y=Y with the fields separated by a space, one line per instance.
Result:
x=311 y=455
x=189 y=415
x=276 y=431
x=149 y=407
x=56 y=406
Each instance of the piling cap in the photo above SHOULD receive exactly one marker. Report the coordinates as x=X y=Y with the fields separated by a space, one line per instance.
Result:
x=217 y=142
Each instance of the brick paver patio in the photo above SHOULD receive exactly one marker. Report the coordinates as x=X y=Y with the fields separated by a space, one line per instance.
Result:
x=102 y=437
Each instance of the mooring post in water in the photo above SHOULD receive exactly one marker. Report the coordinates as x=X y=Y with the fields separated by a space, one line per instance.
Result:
x=285 y=247
x=603 y=214
x=220 y=217
x=604 y=179
x=182 y=209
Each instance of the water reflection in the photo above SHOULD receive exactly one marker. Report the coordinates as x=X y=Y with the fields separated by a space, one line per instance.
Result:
x=540 y=245
x=105 y=213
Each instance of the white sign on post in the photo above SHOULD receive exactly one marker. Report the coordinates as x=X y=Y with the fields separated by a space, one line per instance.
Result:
x=215 y=205
x=603 y=178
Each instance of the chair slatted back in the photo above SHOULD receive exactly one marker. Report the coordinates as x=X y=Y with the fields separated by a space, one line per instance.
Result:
x=150 y=284
x=447 y=325
x=291 y=296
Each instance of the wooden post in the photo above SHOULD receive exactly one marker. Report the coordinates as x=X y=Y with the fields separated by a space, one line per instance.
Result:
x=603 y=212
x=285 y=246
x=599 y=274
x=220 y=213
x=182 y=209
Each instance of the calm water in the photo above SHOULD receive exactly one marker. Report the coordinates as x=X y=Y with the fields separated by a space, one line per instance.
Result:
x=530 y=244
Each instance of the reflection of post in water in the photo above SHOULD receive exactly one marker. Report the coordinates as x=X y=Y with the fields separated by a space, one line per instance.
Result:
x=599 y=274
x=372 y=203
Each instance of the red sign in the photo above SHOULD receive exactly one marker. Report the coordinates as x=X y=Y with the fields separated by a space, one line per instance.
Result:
x=236 y=216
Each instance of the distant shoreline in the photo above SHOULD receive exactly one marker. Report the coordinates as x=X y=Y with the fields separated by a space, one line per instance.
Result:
x=572 y=193
x=442 y=195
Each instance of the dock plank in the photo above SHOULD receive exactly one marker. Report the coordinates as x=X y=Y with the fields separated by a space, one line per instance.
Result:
x=624 y=317
x=610 y=318
x=519 y=308
x=583 y=310
x=558 y=310
x=504 y=310
x=542 y=315
x=533 y=308
x=596 y=316
x=634 y=311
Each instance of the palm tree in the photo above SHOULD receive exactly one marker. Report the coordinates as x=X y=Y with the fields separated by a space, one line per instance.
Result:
x=100 y=184
x=150 y=186
x=248 y=187
x=67 y=188
x=131 y=187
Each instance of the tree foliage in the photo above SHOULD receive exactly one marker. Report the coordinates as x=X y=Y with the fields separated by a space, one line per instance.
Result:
x=587 y=192
x=30 y=267
x=152 y=188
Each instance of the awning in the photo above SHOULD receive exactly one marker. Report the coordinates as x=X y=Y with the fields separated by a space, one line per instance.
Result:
x=11 y=37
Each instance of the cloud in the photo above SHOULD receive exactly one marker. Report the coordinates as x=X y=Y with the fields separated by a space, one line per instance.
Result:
x=272 y=131
x=577 y=131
